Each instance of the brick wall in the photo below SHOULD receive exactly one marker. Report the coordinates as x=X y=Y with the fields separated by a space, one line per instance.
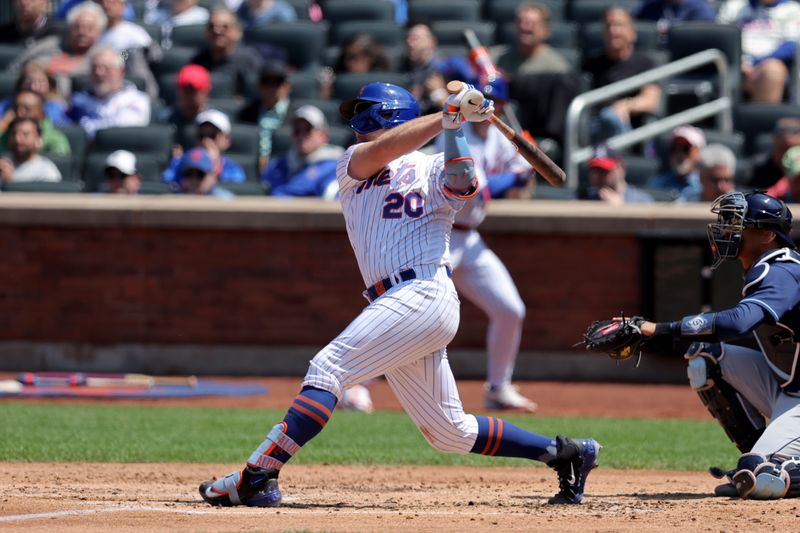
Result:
x=113 y=284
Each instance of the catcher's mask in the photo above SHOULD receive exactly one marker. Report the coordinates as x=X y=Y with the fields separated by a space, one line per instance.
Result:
x=736 y=211
x=379 y=106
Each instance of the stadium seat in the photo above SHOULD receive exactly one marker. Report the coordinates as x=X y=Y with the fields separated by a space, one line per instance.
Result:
x=44 y=186
x=248 y=162
x=572 y=55
x=77 y=140
x=303 y=41
x=65 y=164
x=189 y=36
x=7 y=82
x=248 y=188
x=301 y=7
x=562 y=34
x=229 y=106
x=386 y=33
x=154 y=30
x=155 y=138
x=433 y=10
x=173 y=60
x=346 y=86
x=501 y=11
x=688 y=38
x=449 y=32
x=305 y=84
x=346 y=10
x=221 y=86
x=756 y=119
x=329 y=108
x=337 y=135
x=244 y=139
x=148 y=164
x=8 y=53
x=585 y=11
x=341 y=136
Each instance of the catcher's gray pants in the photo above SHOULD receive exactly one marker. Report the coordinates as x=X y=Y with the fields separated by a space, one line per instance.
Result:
x=748 y=372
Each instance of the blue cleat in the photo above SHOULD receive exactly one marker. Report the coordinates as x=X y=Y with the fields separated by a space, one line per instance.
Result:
x=253 y=487
x=575 y=459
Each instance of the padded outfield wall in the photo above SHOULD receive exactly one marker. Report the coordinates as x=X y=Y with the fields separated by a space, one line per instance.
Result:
x=257 y=285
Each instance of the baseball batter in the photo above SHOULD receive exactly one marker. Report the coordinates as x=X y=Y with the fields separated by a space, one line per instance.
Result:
x=399 y=206
x=742 y=387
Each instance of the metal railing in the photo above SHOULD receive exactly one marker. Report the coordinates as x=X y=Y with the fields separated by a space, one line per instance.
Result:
x=574 y=154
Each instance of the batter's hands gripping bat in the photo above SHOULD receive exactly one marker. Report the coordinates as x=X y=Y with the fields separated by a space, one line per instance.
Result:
x=530 y=152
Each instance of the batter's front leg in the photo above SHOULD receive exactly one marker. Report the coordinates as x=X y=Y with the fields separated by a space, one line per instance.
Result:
x=427 y=390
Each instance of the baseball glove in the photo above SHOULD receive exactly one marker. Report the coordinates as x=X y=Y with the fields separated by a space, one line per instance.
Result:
x=619 y=338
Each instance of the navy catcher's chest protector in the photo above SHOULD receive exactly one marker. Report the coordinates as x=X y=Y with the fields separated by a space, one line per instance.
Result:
x=773 y=282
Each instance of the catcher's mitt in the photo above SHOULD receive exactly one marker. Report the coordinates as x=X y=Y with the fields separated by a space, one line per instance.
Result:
x=619 y=338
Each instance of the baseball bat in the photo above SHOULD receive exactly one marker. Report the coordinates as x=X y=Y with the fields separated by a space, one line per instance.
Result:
x=102 y=380
x=530 y=152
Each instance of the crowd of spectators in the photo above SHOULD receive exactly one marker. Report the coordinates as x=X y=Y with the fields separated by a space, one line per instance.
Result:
x=91 y=65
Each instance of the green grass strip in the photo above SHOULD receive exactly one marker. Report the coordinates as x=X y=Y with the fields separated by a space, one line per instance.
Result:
x=111 y=433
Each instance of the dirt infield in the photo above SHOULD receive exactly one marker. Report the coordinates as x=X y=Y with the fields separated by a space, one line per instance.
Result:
x=146 y=497
x=162 y=497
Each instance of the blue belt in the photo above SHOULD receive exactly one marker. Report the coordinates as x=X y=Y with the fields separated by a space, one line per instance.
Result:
x=385 y=284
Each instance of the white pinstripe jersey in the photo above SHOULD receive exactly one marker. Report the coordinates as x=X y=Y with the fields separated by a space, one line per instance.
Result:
x=493 y=155
x=399 y=218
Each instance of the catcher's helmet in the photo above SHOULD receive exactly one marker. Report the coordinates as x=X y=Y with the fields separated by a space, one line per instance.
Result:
x=495 y=89
x=379 y=106
x=736 y=211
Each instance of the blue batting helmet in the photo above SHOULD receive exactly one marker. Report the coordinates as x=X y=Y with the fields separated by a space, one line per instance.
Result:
x=495 y=89
x=736 y=211
x=379 y=106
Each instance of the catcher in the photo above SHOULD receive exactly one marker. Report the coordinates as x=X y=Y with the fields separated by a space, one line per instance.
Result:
x=741 y=387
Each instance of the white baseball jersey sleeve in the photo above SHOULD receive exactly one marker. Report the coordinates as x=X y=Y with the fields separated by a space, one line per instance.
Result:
x=493 y=155
x=399 y=218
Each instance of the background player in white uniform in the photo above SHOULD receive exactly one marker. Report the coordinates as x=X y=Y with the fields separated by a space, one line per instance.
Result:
x=398 y=206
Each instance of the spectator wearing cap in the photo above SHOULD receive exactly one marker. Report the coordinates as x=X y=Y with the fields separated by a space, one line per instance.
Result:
x=121 y=174
x=268 y=111
x=214 y=137
x=309 y=168
x=770 y=31
x=24 y=162
x=683 y=176
x=30 y=23
x=531 y=53
x=111 y=101
x=258 y=12
x=28 y=104
x=717 y=169
x=224 y=53
x=788 y=187
x=197 y=174
x=194 y=86
x=768 y=166
x=607 y=180
x=507 y=174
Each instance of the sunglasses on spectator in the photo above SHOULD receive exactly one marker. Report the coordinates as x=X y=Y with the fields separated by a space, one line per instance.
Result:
x=207 y=134
x=272 y=80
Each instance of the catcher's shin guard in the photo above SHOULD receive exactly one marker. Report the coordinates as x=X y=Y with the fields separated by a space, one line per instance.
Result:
x=741 y=421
